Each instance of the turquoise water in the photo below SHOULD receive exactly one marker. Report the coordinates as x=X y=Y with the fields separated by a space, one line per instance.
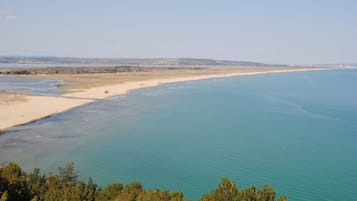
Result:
x=295 y=131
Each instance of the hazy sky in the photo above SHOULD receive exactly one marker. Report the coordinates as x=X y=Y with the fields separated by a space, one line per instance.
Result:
x=274 y=31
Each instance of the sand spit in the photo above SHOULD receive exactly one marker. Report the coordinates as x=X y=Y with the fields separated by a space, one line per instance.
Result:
x=33 y=108
x=22 y=109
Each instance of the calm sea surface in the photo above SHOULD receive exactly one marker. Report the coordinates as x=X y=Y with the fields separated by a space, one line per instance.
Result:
x=294 y=131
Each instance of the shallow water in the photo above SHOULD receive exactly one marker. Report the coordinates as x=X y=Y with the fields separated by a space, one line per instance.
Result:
x=28 y=85
x=49 y=65
x=294 y=131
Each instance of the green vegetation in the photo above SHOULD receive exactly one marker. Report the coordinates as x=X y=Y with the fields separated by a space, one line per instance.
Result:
x=16 y=185
x=22 y=72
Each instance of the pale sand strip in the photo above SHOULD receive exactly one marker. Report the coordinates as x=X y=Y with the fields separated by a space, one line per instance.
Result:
x=34 y=108
x=103 y=92
x=16 y=113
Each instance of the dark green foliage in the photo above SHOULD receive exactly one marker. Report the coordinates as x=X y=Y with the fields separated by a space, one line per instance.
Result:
x=110 y=192
x=13 y=183
x=16 y=185
x=22 y=72
x=227 y=190
x=37 y=184
x=68 y=174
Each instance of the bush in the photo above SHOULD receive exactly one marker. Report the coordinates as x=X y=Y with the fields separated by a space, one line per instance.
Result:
x=15 y=185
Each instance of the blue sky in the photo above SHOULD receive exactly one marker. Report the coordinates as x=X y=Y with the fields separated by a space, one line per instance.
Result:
x=275 y=31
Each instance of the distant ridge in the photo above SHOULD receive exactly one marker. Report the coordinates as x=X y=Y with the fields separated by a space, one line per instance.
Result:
x=338 y=65
x=128 y=61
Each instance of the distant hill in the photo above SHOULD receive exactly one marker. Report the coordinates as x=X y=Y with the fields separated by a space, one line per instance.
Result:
x=339 y=65
x=128 y=61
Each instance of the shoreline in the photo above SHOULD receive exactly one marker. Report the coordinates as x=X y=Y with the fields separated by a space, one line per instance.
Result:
x=35 y=108
x=123 y=88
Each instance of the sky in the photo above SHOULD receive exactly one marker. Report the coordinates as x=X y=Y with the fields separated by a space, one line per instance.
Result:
x=271 y=31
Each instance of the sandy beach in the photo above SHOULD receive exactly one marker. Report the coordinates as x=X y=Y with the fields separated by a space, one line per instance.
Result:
x=33 y=108
x=19 y=109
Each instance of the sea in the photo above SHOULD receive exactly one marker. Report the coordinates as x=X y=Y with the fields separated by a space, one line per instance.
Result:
x=296 y=132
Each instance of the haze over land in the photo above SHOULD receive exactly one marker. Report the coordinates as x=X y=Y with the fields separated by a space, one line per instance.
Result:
x=126 y=61
x=46 y=61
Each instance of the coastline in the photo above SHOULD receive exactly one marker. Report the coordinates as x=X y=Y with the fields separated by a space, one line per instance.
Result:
x=34 y=108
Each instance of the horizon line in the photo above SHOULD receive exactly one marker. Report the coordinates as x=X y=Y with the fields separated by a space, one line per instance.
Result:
x=197 y=58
